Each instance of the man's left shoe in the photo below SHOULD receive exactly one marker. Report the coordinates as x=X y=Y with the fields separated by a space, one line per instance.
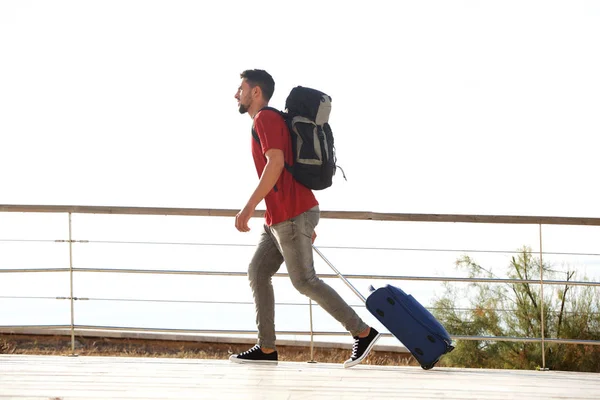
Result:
x=362 y=347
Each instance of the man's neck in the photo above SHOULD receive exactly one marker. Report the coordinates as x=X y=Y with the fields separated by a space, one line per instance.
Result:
x=256 y=107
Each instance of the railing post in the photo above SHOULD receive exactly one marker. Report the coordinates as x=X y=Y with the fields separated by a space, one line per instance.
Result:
x=312 y=349
x=542 y=304
x=71 y=288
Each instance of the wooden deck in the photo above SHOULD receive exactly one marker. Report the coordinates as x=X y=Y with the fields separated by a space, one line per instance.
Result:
x=67 y=378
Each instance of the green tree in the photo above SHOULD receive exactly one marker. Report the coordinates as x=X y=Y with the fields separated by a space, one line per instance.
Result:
x=514 y=310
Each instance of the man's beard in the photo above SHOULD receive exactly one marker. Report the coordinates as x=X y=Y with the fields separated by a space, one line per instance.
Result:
x=243 y=109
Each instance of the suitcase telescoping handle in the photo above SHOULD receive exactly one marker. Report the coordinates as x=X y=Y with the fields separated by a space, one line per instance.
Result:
x=340 y=275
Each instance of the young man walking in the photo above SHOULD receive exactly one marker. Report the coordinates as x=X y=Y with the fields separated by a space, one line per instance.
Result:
x=292 y=213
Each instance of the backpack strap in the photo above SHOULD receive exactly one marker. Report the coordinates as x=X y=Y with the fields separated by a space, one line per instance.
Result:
x=257 y=139
x=254 y=134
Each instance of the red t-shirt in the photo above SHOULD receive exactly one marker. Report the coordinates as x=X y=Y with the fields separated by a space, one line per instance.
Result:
x=288 y=198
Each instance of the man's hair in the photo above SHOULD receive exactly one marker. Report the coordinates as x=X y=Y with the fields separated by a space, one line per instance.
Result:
x=262 y=79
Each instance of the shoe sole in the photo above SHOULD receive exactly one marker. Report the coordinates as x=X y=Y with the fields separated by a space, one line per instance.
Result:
x=242 y=361
x=365 y=354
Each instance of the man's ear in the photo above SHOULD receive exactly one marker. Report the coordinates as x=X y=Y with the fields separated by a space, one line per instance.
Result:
x=256 y=92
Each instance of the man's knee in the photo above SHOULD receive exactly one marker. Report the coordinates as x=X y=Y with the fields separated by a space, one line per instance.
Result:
x=306 y=285
x=253 y=275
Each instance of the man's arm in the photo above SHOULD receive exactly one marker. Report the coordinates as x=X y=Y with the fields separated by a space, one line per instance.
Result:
x=270 y=175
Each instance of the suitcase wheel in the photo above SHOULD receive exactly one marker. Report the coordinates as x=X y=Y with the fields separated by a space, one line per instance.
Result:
x=381 y=313
x=428 y=366
x=431 y=338
x=391 y=301
x=418 y=351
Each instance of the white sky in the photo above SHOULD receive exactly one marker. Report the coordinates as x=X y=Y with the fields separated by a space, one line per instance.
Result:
x=439 y=106
x=475 y=107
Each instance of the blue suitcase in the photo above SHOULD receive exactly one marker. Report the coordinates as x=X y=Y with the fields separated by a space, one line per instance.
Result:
x=406 y=319
x=411 y=323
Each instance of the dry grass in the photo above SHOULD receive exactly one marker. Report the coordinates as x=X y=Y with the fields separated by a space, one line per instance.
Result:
x=61 y=345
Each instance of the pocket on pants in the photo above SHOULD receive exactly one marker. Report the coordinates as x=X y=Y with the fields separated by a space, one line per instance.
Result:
x=298 y=227
x=310 y=221
x=285 y=231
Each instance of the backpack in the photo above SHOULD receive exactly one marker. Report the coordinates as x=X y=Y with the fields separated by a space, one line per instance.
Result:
x=307 y=118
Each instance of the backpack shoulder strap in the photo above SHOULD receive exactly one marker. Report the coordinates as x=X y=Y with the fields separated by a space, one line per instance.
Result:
x=254 y=134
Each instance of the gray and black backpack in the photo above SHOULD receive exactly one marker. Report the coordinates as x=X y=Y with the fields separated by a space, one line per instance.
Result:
x=307 y=116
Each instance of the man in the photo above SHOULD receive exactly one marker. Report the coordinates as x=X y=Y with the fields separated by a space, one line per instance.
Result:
x=292 y=213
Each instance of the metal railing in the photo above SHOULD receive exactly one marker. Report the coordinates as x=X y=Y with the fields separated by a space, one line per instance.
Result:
x=540 y=221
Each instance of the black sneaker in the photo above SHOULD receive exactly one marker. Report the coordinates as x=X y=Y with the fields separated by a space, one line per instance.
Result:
x=362 y=347
x=256 y=356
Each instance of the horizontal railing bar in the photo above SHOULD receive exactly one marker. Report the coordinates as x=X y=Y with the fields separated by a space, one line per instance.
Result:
x=211 y=331
x=297 y=333
x=171 y=243
x=29 y=240
x=527 y=340
x=4 y=328
x=193 y=212
x=337 y=247
x=32 y=297
x=202 y=302
x=353 y=215
x=359 y=305
x=325 y=276
x=452 y=250
x=351 y=276
x=321 y=247
x=21 y=270
x=497 y=338
x=316 y=305
x=157 y=300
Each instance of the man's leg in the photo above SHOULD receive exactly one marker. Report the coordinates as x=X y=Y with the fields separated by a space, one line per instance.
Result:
x=295 y=240
x=266 y=261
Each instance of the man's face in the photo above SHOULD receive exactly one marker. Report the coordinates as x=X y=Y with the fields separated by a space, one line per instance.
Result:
x=244 y=96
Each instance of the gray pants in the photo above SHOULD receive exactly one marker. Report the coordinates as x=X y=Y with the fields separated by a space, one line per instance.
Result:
x=291 y=241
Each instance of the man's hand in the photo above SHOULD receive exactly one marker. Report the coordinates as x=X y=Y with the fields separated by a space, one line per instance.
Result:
x=314 y=236
x=242 y=218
